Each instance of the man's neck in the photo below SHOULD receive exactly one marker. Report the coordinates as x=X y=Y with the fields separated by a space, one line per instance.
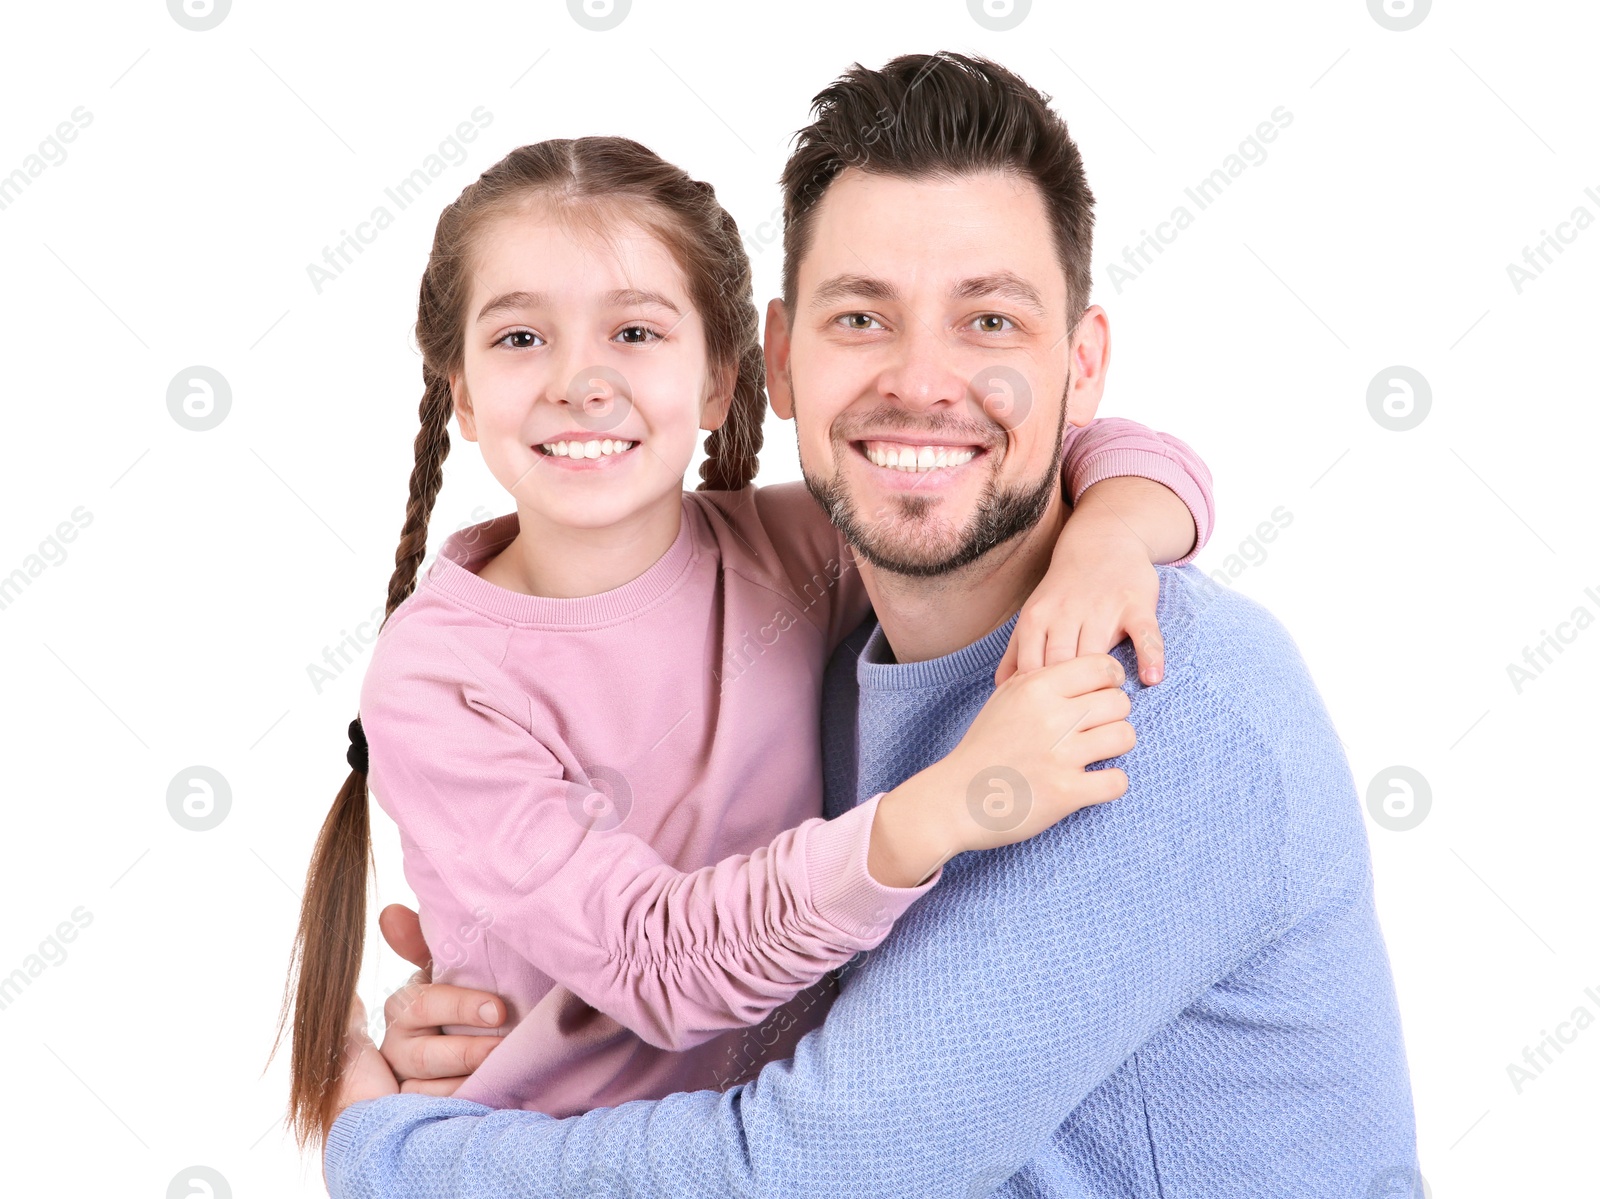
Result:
x=925 y=618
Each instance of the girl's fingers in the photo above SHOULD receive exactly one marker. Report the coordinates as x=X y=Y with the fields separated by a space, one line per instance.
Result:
x=1029 y=639
x=1145 y=634
x=1008 y=662
x=1101 y=785
x=443 y=1087
x=1097 y=710
x=1105 y=741
x=1062 y=645
x=1098 y=635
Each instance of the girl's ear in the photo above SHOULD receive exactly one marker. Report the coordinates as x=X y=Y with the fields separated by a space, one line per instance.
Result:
x=463 y=406
x=720 y=400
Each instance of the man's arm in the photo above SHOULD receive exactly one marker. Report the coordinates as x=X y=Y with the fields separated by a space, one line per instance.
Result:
x=965 y=1040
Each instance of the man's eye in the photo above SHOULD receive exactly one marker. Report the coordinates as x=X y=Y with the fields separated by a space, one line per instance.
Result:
x=858 y=320
x=528 y=334
x=991 y=322
x=637 y=335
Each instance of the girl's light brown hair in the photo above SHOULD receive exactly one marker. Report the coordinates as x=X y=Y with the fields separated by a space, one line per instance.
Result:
x=610 y=173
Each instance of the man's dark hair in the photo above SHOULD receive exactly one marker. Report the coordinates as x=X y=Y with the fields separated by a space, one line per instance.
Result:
x=939 y=114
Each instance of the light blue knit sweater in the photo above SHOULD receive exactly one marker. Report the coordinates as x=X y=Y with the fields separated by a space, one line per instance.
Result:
x=1181 y=993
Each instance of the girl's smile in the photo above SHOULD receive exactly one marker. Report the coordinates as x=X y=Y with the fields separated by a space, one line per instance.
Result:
x=586 y=451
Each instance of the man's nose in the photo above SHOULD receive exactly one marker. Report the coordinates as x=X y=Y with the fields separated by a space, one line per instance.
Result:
x=923 y=370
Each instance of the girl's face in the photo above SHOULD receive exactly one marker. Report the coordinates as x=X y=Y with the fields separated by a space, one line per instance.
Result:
x=584 y=377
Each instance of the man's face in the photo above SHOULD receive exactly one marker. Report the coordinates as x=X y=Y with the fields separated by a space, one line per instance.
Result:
x=926 y=364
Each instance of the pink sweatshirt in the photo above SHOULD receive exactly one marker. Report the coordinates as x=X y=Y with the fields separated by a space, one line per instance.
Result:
x=610 y=806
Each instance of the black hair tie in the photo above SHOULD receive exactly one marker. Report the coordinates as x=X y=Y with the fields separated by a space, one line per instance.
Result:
x=356 y=755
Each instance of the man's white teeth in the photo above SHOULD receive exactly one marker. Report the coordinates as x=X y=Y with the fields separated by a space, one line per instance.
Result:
x=586 y=449
x=916 y=458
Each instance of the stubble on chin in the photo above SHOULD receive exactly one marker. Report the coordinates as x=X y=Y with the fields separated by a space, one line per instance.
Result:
x=908 y=536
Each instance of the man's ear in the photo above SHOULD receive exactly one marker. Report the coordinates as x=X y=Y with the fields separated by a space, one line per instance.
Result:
x=463 y=406
x=1089 y=353
x=776 y=346
x=719 y=402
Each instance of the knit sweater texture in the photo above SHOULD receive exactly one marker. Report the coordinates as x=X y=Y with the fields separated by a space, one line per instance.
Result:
x=1182 y=992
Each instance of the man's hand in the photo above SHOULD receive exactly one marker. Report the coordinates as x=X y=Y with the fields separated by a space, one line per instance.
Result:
x=424 y=1060
x=364 y=1075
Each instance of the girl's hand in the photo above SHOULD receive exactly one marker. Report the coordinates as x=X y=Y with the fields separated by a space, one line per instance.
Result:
x=1019 y=768
x=1099 y=588
x=1101 y=585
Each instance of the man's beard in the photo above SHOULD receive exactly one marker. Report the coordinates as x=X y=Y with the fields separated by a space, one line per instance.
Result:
x=1001 y=514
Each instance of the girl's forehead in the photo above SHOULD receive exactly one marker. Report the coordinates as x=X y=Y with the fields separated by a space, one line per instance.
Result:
x=556 y=240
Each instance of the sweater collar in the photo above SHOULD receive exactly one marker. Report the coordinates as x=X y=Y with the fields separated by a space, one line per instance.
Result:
x=875 y=671
x=455 y=573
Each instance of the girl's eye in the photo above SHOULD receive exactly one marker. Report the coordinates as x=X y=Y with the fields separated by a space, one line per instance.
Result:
x=637 y=335
x=991 y=322
x=859 y=320
x=529 y=334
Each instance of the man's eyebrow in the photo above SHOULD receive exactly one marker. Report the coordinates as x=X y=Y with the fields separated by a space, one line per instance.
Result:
x=1003 y=285
x=852 y=287
x=511 y=301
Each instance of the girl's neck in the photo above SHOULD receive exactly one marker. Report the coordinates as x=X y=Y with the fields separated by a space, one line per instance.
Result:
x=561 y=562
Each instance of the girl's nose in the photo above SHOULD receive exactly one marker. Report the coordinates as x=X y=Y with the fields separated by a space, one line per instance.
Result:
x=599 y=397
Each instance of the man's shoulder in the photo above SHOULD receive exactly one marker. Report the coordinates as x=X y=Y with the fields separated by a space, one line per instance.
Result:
x=1235 y=680
x=1202 y=619
x=1221 y=642
x=1238 y=713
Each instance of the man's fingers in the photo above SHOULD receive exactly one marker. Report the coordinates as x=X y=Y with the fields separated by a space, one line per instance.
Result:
x=402 y=928
x=430 y=1005
x=436 y=1057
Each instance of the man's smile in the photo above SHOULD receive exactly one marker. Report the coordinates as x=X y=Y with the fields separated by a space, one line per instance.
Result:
x=918 y=456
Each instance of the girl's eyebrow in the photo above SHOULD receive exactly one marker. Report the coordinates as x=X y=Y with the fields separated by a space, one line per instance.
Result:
x=511 y=302
x=632 y=296
x=626 y=298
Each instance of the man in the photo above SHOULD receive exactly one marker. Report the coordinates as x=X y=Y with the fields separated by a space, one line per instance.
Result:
x=1184 y=992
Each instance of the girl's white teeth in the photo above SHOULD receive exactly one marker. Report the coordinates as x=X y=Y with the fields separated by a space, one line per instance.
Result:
x=916 y=458
x=586 y=449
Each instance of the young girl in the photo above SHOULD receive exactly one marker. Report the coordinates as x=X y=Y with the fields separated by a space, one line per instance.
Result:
x=597 y=723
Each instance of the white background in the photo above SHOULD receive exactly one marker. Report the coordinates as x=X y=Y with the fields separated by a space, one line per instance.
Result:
x=218 y=565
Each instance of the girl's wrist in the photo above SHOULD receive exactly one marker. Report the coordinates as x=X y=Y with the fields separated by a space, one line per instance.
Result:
x=913 y=833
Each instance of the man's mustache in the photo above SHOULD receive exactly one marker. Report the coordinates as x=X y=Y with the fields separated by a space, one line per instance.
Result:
x=890 y=419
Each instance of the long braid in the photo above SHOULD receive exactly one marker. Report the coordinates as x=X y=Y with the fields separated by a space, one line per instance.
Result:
x=733 y=450
x=431 y=448
x=333 y=912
